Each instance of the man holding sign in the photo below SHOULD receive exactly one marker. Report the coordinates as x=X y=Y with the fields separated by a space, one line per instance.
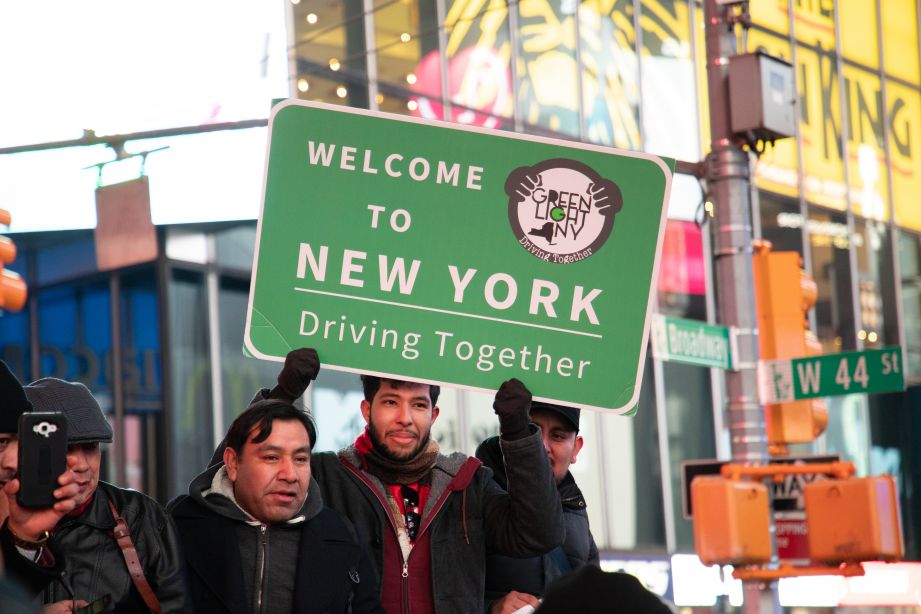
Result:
x=409 y=500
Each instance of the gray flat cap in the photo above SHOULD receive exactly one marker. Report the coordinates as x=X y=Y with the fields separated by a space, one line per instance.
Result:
x=85 y=421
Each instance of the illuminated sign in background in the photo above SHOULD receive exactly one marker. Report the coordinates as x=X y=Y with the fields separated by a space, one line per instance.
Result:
x=823 y=126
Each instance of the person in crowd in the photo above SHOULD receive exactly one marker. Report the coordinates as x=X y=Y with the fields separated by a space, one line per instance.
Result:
x=429 y=517
x=27 y=564
x=115 y=544
x=512 y=583
x=255 y=532
x=588 y=590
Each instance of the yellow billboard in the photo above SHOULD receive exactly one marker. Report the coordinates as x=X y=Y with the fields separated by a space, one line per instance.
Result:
x=904 y=142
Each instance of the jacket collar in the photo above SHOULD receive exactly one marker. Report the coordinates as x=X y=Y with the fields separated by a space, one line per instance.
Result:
x=97 y=514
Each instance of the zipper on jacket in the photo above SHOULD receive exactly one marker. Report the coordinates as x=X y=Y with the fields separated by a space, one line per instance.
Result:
x=263 y=529
x=425 y=524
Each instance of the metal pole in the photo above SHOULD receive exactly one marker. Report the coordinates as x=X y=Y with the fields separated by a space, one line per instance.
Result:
x=728 y=180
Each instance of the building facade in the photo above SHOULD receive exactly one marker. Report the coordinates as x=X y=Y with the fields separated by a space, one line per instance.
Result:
x=160 y=343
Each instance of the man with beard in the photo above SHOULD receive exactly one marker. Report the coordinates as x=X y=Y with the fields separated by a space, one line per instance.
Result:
x=90 y=542
x=409 y=501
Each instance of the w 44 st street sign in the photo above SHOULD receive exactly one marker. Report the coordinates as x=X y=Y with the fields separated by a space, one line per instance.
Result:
x=868 y=371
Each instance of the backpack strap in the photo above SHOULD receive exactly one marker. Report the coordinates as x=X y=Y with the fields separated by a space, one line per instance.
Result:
x=122 y=536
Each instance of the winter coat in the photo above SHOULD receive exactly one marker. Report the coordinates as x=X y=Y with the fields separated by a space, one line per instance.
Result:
x=93 y=564
x=310 y=564
x=466 y=512
x=532 y=575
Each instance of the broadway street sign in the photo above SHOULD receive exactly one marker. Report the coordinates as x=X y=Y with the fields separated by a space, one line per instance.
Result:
x=691 y=342
x=869 y=371
x=455 y=255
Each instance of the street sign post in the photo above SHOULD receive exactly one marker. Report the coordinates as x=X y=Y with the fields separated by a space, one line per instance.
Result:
x=691 y=342
x=454 y=255
x=867 y=371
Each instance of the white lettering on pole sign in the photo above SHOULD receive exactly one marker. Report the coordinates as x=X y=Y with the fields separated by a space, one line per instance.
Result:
x=418 y=168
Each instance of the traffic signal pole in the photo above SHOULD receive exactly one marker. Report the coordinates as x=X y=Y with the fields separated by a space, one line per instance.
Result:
x=729 y=184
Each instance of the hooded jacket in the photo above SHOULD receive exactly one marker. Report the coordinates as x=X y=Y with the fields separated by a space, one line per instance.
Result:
x=532 y=575
x=466 y=512
x=91 y=563
x=312 y=563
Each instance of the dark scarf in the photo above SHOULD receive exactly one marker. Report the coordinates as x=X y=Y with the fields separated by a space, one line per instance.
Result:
x=390 y=471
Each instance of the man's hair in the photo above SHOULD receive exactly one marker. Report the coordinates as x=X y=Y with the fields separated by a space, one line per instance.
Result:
x=371 y=384
x=260 y=415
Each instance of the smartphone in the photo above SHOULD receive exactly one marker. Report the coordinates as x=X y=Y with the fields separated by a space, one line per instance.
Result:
x=42 y=457
x=97 y=607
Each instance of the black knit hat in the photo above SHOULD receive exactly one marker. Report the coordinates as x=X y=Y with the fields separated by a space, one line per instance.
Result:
x=569 y=414
x=13 y=401
x=85 y=421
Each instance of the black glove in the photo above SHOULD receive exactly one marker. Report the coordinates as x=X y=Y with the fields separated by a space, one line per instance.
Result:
x=301 y=367
x=512 y=405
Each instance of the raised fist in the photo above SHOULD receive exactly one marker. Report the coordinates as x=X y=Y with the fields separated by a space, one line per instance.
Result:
x=512 y=405
x=301 y=367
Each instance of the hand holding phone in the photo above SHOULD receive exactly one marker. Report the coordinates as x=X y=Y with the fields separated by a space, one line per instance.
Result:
x=42 y=457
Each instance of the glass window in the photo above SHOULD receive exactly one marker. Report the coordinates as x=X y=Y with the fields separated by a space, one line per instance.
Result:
x=610 y=73
x=547 y=72
x=141 y=380
x=869 y=181
x=815 y=23
x=75 y=337
x=331 y=55
x=689 y=409
x=773 y=16
x=910 y=265
x=478 y=52
x=241 y=377
x=669 y=89
x=858 y=32
x=820 y=127
x=900 y=33
x=905 y=149
x=781 y=222
x=405 y=38
x=191 y=440
x=834 y=312
x=682 y=282
x=620 y=468
x=874 y=283
x=234 y=247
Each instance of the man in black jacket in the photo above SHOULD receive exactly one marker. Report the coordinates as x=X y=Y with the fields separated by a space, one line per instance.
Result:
x=84 y=541
x=256 y=534
x=512 y=583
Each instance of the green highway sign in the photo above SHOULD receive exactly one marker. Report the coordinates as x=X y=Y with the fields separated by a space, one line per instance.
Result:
x=691 y=342
x=455 y=255
x=868 y=371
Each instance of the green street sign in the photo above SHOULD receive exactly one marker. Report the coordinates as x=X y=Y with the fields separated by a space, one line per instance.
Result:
x=691 y=342
x=456 y=255
x=869 y=371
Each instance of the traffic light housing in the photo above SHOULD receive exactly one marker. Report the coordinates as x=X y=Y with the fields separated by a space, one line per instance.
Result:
x=854 y=520
x=732 y=521
x=13 y=289
x=784 y=294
